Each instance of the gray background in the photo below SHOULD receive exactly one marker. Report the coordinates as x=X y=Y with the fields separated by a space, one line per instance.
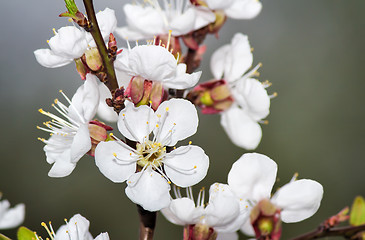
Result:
x=313 y=53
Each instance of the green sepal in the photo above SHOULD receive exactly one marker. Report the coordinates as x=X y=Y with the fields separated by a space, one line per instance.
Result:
x=25 y=234
x=3 y=237
x=357 y=215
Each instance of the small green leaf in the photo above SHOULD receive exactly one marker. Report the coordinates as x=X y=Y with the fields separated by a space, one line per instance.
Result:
x=25 y=234
x=357 y=215
x=2 y=237
x=71 y=7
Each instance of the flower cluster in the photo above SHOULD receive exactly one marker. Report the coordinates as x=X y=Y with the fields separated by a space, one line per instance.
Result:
x=151 y=92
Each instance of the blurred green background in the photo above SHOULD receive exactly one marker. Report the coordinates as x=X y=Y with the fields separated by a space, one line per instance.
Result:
x=313 y=53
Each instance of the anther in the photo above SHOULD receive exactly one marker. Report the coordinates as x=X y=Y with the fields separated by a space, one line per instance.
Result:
x=275 y=94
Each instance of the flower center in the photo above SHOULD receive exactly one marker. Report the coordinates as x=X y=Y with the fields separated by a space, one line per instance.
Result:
x=150 y=153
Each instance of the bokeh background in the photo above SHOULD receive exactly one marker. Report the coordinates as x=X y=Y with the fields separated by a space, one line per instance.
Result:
x=313 y=53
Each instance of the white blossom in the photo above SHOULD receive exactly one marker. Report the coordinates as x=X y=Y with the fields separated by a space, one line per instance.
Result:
x=150 y=167
x=77 y=228
x=11 y=217
x=70 y=42
x=144 y=21
x=224 y=212
x=251 y=101
x=253 y=176
x=70 y=137
x=156 y=63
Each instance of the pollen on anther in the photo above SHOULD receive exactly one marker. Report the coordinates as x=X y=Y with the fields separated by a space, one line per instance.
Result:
x=157 y=125
x=195 y=166
x=174 y=124
x=147 y=122
x=130 y=154
x=169 y=182
x=47 y=41
x=167 y=109
x=123 y=115
x=114 y=154
x=190 y=142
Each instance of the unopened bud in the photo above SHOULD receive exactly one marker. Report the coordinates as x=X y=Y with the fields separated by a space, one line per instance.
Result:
x=112 y=46
x=93 y=59
x=98 y=133
x=80 y=67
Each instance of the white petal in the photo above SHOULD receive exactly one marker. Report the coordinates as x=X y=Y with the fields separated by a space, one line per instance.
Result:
x=183 y=211
x=104 y=111
x=247 y=228
x=81 y=143
x=107 y=22
x=148 y=189
x=184 y=23
x=136 y=123
x=131 y=34
x=146 y=20
x=218 y=61
x=57 y=144
x=183 y=80
x=170 y=216
x=227 y=236
x=240 y=128
x=236 y=223
x=223 y=206
x=115 y=170
x=179 y=120
x=86 y=100
x=244 y=9
x=252 y=176
x=63 y=165
x=252 y=96
x=103 y=236
x=69 y=42
x=239 y=58
x=47 y=58
x=152 y=62
x=12 y=217
x=186 y=166
x=219 y=4
x=299 y=200
x=77 y=228
x=204 y=16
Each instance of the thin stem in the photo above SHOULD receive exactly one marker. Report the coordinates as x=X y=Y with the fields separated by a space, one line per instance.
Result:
x=190 y=61
x=147 y=223
x=347 y=232
x=111 y=82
